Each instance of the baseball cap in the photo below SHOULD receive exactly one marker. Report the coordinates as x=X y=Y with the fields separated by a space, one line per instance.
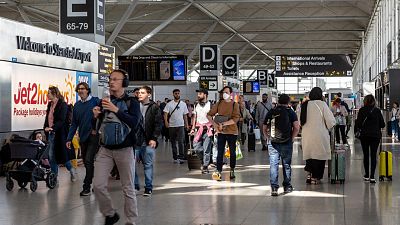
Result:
x=202 y=90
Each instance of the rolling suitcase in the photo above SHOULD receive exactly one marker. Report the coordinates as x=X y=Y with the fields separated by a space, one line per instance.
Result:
x=385 y=165
x=193 y=160
x=338 y=167
x=337 y=164
x=251 y=140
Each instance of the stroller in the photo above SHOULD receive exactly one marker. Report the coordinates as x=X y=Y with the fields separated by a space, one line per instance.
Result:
x=27 y=157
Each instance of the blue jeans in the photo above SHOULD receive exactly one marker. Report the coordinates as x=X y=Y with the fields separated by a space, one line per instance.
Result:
x=146 y=156
x=203 y=148
x=395 y=127
x=52 y=156
x=276 y=152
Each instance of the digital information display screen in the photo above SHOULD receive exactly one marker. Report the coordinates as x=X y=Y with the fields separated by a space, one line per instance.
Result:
x=251 y=87
x=154 y=68
x=314 y=65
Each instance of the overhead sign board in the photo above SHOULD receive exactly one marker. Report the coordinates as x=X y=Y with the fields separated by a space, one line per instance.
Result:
x=106 y=59
x=27 y=44
x=208 y=82
x=209 y=60
x=154 y=67
x=313 y=66
x=230 y=65
x=271 y=80
x=83 y=19
x=262 y=76
x=251 y=87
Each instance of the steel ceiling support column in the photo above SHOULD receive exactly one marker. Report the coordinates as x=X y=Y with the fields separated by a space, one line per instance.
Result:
x=248 y=60
x=148 y=46
x=156 y=30
x=119 y=46
x=24 y=15
x=202 y=40
x=122 y=22
x=195 y=67
x=227 y=26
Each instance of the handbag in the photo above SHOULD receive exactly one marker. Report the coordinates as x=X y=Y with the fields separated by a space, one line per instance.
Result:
x=223 y=119
x=357 y=134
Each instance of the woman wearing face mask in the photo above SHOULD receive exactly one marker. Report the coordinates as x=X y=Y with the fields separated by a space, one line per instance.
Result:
x=225 y=123
x=56 y=129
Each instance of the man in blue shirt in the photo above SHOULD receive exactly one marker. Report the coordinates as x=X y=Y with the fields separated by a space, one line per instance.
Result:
x=284 y=126
x=82 y=118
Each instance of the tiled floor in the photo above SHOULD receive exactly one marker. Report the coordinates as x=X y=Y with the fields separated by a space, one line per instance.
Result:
x=183 y=197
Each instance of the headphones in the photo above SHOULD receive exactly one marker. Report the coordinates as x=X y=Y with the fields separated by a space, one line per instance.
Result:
x=125 y=81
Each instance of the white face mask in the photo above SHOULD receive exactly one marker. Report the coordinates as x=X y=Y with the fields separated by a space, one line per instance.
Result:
x=226 y=96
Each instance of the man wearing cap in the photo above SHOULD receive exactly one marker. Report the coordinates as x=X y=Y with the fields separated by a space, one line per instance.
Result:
x=262 y=108
x=202 y=129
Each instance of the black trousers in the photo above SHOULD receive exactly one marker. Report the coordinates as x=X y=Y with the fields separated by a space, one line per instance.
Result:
x=370 y=148
x=316 y=168
x=89 y=149
x=342 y=129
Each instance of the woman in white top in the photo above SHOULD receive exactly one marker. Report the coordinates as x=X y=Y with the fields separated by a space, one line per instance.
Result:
x=316 y=120
x=395 y=115
x=340 y=113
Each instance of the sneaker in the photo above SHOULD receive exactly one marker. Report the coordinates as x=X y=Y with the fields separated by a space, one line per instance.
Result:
x=274 y=192
x=204 y=170
x=372 y=180
x=110 y=220
x=288 y=189
x=366 y=178
x=216 y=176
x=147 y=192
x=176 y=161
x=232 y=174
x=73 y=175
x=264 y=148
x=180 y=161
x=137 y=188
x=85 y=192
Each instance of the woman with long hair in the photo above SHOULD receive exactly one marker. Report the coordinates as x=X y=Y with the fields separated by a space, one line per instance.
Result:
x=56 y=129
x=369 y=123
x=316 y=120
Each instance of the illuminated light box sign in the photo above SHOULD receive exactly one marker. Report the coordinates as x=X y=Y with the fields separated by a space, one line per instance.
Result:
x=154 y=68
x=251 y=87
x=29 y=93
x=313 y=66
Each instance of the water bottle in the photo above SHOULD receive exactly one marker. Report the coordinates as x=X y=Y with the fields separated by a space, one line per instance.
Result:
x=106 y=93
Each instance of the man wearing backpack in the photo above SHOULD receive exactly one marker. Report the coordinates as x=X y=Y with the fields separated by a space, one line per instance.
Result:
x=88 y=139
x=284 y=127
x=176 y=120
x=151 y=130
x=118 y=117
x=262 y=108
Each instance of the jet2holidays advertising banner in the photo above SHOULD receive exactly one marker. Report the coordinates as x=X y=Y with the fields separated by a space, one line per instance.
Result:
x=29 y=93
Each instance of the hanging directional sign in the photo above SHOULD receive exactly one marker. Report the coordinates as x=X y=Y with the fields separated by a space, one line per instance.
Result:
x=208 y=82
x=263 y=77
x=230 y=65
x=209 y=60
x=271 y=80
x=313 y=65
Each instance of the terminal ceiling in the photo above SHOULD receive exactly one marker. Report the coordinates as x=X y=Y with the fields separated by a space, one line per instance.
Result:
x=257 y=30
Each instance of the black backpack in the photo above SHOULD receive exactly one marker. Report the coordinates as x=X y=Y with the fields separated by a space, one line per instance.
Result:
x=281 y=127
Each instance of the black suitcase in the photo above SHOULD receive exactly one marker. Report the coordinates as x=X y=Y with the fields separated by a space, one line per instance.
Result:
x=193 y=160
x=251 y=139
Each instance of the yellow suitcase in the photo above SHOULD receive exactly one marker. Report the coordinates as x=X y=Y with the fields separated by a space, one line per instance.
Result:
x=385 y=165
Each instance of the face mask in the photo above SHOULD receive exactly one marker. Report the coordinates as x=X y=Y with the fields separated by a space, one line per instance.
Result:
x=226 y=96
